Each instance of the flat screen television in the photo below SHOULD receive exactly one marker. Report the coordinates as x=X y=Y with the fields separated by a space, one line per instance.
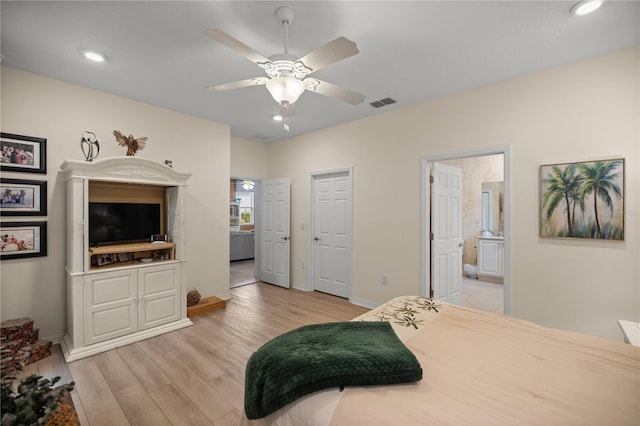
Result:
x=112 y=223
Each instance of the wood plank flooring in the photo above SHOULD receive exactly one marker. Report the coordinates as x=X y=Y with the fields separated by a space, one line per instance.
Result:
x=193 y=376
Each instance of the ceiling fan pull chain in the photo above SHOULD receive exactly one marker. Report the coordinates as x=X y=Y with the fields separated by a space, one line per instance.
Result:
x=285 y=107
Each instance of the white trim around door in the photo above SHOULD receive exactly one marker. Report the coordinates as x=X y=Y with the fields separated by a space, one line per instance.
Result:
x=425 y=209
x=346 y=228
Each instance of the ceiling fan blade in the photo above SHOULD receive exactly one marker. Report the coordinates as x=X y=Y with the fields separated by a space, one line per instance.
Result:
x=333 y=91
x=256 y=81
x=332 y=52
x=236 y=45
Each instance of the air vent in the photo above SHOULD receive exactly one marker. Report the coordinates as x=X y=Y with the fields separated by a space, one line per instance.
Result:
x=261 y=138
x=382 y=102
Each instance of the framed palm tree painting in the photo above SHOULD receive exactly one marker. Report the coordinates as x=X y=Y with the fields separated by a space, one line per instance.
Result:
x=582 y=200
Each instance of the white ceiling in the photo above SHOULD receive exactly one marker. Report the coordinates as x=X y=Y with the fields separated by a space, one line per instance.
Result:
x=411 y=51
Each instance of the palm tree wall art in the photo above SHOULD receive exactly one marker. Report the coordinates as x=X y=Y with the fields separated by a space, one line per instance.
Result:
x=582 y=200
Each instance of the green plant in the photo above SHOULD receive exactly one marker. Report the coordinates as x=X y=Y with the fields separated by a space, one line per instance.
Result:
x=34 y=401
x=245 y=217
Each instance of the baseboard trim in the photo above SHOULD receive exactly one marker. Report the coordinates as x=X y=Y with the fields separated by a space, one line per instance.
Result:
x=301 y=287
x=363 y=303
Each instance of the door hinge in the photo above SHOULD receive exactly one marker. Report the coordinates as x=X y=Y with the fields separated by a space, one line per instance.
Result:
x=431 y=236
x=430 y=178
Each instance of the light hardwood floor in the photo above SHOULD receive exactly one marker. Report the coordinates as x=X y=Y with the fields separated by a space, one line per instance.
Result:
x=193 y=376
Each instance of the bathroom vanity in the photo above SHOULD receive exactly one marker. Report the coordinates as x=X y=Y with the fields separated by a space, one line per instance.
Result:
x=491 y=258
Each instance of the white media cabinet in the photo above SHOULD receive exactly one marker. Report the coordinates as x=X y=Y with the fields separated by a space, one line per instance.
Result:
x=140 y=291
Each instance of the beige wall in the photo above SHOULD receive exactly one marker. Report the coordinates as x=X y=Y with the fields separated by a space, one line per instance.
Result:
x=583 y=111
x=248 y=158
x=38 y=106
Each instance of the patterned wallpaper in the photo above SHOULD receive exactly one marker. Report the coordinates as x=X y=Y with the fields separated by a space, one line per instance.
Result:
x=475 y=170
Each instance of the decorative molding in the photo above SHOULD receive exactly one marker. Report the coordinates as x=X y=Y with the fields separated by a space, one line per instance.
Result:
x=136 y=173
x=124 y=169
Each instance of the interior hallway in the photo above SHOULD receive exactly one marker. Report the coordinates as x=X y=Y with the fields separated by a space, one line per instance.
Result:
x=241 y=273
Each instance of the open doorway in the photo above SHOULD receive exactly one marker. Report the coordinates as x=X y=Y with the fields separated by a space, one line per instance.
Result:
x=243 y=216
x=483 y=240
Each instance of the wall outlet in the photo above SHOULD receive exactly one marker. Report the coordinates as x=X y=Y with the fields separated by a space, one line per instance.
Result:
x=384 y=279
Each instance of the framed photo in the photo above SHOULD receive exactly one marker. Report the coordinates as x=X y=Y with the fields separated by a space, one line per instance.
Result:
x=105 y=259
x=23 y=153
x=159 y=238
x=583 y=200
x=23 y=197
x=23 y=239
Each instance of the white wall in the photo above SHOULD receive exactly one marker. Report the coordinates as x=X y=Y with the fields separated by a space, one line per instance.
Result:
x=38 y=106
x=583 y=111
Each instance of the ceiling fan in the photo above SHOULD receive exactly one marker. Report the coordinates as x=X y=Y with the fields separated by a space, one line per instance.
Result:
x=287 y=76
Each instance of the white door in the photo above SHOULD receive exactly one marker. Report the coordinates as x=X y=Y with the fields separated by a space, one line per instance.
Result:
x=331 y=231
x=446 y=227
x=275 y=202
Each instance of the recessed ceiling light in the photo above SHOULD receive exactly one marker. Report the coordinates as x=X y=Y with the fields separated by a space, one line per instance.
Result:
x=585 y=6
x=277 y=117
x=94 y=56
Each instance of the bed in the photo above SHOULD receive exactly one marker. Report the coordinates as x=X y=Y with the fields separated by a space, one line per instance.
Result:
x=483 y=368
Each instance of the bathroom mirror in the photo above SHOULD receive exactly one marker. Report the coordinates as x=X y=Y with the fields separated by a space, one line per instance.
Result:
x=492 y=206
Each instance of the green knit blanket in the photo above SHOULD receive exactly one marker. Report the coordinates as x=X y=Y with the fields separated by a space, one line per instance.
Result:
x=321 y=356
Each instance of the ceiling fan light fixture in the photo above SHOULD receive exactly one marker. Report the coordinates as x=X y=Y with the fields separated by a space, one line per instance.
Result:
x=585 y=7
x=285 y=89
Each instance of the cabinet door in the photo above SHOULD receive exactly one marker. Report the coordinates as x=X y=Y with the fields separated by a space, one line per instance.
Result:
x=158 y=291
x=109 y=305
x=490 y=262
x=501 y=258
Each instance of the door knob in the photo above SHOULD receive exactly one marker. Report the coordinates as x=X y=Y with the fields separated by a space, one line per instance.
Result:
x=316 y=239
x=285 y=238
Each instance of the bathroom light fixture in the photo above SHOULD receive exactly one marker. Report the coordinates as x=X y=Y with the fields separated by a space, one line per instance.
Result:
x=585 y=6
x=277 y=117
x=248 y=185
x=94 y=56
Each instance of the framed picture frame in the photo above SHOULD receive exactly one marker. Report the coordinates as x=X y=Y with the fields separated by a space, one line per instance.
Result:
x=23 y=153
x=105 y=259
x=583 y=200
x=20 y=197
x=23 y=239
